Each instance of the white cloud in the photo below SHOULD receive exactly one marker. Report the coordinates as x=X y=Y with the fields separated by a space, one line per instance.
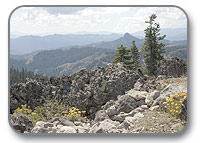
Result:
x=36 y=20
x=115 y=10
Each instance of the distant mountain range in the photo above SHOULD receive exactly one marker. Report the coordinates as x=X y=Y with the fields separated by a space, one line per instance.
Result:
x=30 y=43
x=126 y=41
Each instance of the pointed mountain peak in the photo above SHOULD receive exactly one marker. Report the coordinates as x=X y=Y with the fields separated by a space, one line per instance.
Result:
x=127 y=35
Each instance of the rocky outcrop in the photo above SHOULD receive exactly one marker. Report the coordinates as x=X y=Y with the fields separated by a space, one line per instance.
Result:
x=116 y=116
x=115 y=99
x=84 y=90
x=32 y=92
x=21 y=122
x=91 y=90
x=172 y=67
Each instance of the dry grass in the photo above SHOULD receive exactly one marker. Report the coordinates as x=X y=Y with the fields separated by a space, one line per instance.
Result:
x=157 y=122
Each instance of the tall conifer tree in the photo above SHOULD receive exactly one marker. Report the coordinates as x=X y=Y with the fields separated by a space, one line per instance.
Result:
x=133 y=56
x=121 y=55
x=152 y=47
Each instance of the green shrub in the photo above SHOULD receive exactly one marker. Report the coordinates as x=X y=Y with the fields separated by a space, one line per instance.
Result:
x=76 y=114
x=45 y=112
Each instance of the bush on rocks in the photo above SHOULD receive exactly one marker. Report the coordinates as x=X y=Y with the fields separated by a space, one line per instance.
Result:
x=173 y=104
x=43 y=113
x=76 y=114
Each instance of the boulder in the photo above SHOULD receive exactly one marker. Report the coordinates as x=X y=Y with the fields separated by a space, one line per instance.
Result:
x=137 y=95
x=62 y=121
x=124 y=125
x=106 y=126
x=21 y=122
x=112 y=111
x=134 y=118
x=40 y=124
x=101 y=116
x=151 y=97
x=126 y=103
x=81 y=129
x=38 y=129
x=121 y=116
x=66 y=129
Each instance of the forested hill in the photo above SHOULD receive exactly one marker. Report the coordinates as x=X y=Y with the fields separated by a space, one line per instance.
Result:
x=56 y=62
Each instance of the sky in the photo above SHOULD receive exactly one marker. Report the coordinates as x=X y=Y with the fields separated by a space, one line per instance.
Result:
x=66 y=20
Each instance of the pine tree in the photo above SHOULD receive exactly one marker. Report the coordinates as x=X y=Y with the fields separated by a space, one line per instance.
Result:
x=133 y=56
x=121 y=55
x=152 y=47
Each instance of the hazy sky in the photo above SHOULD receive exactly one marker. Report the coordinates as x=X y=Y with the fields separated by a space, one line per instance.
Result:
x=63 y=20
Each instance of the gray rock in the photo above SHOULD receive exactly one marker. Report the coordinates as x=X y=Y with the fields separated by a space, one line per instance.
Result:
x=126 y=103
x=106 y=126
x=21 y=122
x=121 y=116
x=40 y=124
x=47 y=125
x=77 y=123
x=134 y=118
x=144 y=107
x=124 y=125
x=153 y=108
x=111 y=111
x=138 y=115
x=137 y=95
x=59 y=126
x=138 y=109
x=151 y=97
x=55 y=123
x=129 y=120
x=118 y=118
x=100 y=116
x=66 y=129
x=81 y=129
x=38 y=129
x=62 y=121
